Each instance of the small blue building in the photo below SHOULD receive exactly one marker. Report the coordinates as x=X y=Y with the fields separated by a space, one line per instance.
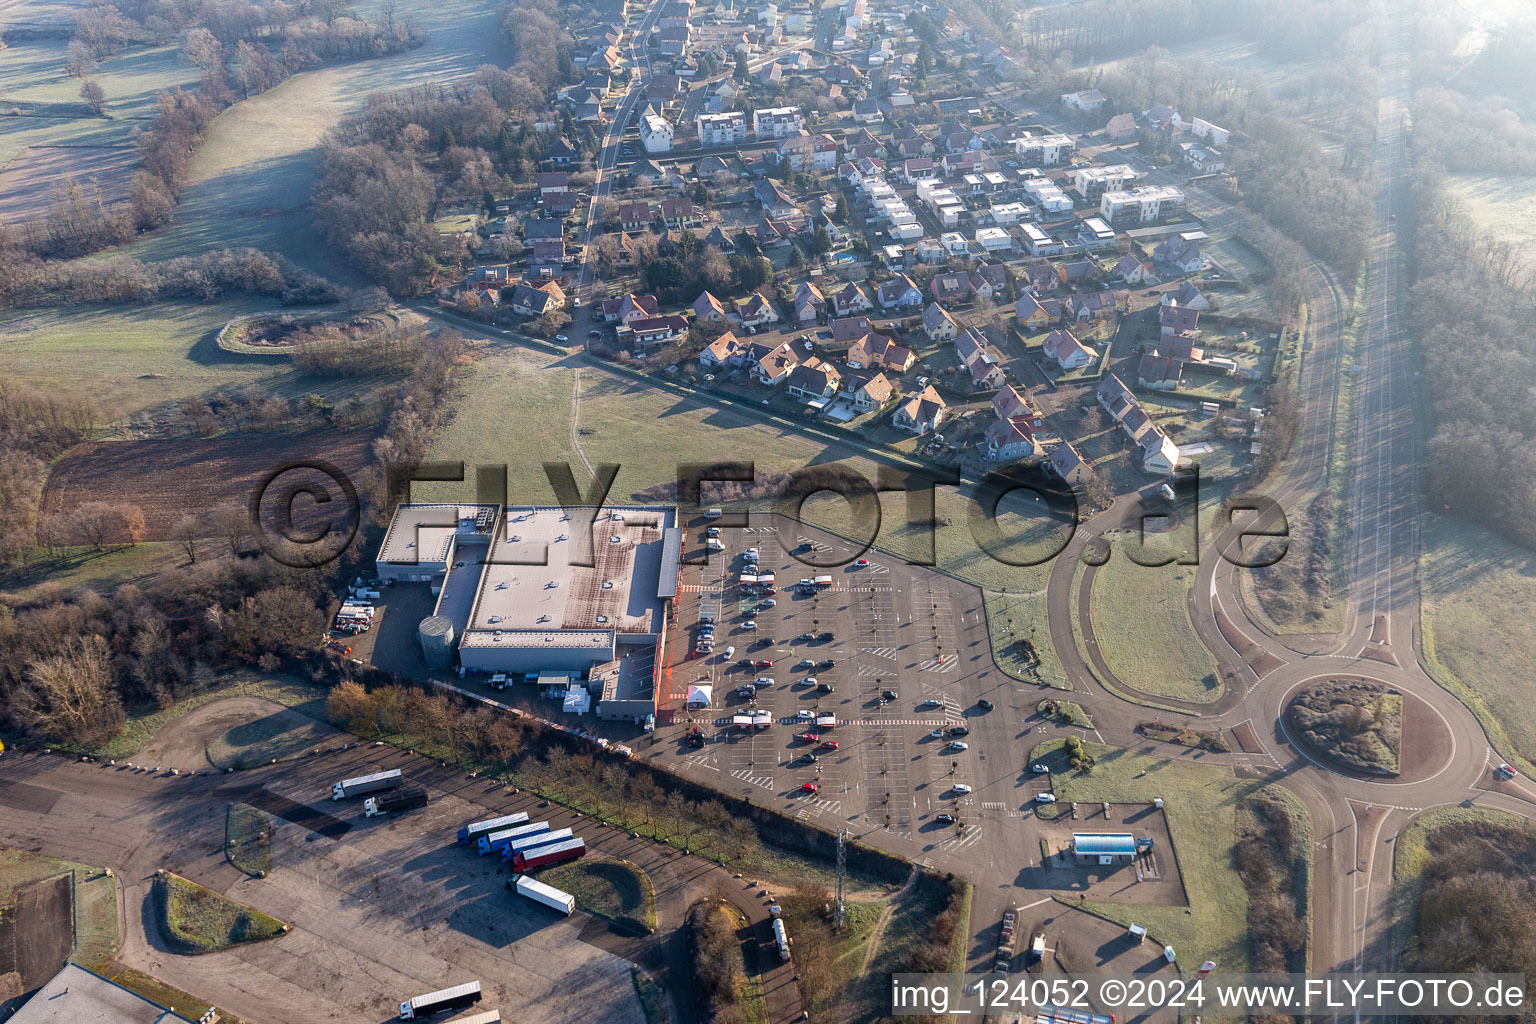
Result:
x=1103 y=847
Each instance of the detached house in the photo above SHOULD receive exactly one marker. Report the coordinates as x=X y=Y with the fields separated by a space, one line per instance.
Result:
x=1066 y=351
x=899 y=293
x=775 y=201
x=1179 y=252
x=1159 y=453
x=708 y=309
x=810 y=305
x=1188 y=296
x=876 y=351
x=528 y=300
x=866 y=393
x=1159 y=372
x=1067 y=465
x=774 y=365
x=626 y=309
x=951 y=287
x=1131 y=270
x=1031 y=313
x=971 y=347
x=1009 y=440
x=1175 y=319
x=756 y=311
x=938 y=324
x=634 y=216
x=921 y=413
x=1009 y=403
x=851 y=299
x=679 y=213
x=726 y=350
x=814 y=382
x=656 y=330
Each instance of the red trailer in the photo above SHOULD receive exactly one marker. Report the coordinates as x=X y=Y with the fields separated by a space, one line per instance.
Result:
x=552 y=853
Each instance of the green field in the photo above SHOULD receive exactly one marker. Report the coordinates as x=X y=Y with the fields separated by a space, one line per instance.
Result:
x=126 y=358
x=1142 y=626
x=194 y=919
x=103 y=571
x=248 y=839
x=1478 y=592
x=613 y=889
x=96 y=935
x=1502 y=205
x=1200 y=802
x=1011 y=617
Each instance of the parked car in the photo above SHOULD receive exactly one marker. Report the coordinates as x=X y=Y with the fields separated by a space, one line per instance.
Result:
x=960 y=787
x=930 y=703
x=1040 y=769
x=958 y=745
x=860 y=563
x=805 y=714
x=763 y=663
x=944 y=819
x=807 y=737
x=824 y=688
x=890 y=695
x=696 y=740
x=985 y=704
x=825 y=663
x=937 y=734
x=959 y=730
x=750 y=625
x=1045 y=798
x=767 y=602
x=827 y=638
x=829 y=744
x=810 y=787
x=561 y=337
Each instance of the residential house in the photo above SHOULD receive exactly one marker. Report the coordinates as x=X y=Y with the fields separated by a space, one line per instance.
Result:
x=1140 y=205
x=1200 y=128
x=995 y=278
x=806 y=151
x=655 y=133
x=708 y=310
x=1162 y=117
x=530 y=300
x=1179 y=252
x=1159 y=453
x=1131 y=269
x=624 y=251
x=1115 y=398
x=971 y=347
x=774 y=365
x=646 y=172
x=1009 y=440
x=921 y=413
x=1090 y=306
x=720 y=240
x=663 y=89
x=851 y=299
x=867 y=111
x=552 y=181
x=866 y=393
x=848 y=329
x=634 y=216
x=726 y=350
x=757 y=310
x=810 y=304
x=876 y=351
x=1039 y=279
x=1010 y=403
x=1031 y=313
x=1067 y=465
x=561 y=153
x=680 y=213
x=1076 y=273
x=674 y=40
x=488 y=296
x=1188 y=296
x=1176 y=319
x=899 y=293
x=488 y=275
x=774 y=233
x=1087 y=100
x=1066 y=351
x=938 y=324
x=626 y=309
x=546 y=257
x=917 y=169
x=1202 y=159
x=814 y=381
x=952 y=287
x=543 y=228
x=656 y=330
x=775 y=201
x=1121 y=128
x=1159 y=372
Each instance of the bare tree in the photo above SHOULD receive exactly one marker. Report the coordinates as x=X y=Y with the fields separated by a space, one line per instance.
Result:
x=70 y=696
x=186 y=532
x=95 y=96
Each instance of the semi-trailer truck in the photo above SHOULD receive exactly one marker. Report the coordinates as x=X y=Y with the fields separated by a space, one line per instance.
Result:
x=475 y=829
x=407 y=799
x=485 y=1017
x=495 y=842
x=548 y=895
x=780 y=936
x=554 y=853
x=375 y=783
x=518 y=845
x=457 y=997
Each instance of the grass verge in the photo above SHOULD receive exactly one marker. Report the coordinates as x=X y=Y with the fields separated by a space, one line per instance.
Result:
x=609 y=888
x=1143 y=631
x=1021 y=638
x=1066 y=712
x=248 y=839
x=652 y=1000
x=1200 y=803
x=194 y=919
x=96 y=934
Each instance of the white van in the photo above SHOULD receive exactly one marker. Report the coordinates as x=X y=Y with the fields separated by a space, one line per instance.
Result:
x=713 y=513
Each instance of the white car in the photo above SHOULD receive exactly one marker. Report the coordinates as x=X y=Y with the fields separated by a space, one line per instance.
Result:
x=958 y=745
x=808 y=681
x=937 y=734
x=561 y=337
x=1040 y=769
x=960 y=787
x=805 y=714
x=1045 y=798
x=749 y=625
x=764 y=681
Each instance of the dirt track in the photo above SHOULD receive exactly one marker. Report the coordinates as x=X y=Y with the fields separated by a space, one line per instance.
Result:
x=236 y=732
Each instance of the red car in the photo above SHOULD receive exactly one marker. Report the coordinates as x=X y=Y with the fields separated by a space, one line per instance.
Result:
x=763 y=663
x=810 y=787
x=829 y=745
x=808 y=737
x=861 y=563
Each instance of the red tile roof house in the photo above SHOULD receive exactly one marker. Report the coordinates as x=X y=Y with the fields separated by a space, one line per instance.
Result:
x=866 y=393
x=1066 y=464
x=1009 y=403
x=629 y=308
x=726 y=350
x=1066 y=351
x=634 y=216
x=757 y=310
x=952 y=287
x=773 y=366
x=877 y=351
x=971 y=347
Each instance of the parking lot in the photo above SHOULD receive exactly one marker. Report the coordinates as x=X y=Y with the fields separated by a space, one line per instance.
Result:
x=910 y=663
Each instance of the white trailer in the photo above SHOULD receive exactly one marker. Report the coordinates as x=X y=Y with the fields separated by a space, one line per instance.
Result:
x=497 y=841
x=528 y=842
x=454 y=998
x=374 y=783
x=548 y=895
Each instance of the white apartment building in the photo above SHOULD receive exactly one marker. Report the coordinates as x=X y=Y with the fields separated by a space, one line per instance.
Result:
x=1140 y=205
x=655 y=133
x=725 y=129
x=777 y=122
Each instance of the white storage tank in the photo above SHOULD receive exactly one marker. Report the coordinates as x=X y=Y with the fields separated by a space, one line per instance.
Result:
x=437 y=636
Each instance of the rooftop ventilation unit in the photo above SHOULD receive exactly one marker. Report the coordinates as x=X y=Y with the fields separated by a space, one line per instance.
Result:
x=607 y=584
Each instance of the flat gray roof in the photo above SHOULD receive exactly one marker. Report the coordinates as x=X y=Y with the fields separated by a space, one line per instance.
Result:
x=78 y=996
x=422 y=533
x=529 y=583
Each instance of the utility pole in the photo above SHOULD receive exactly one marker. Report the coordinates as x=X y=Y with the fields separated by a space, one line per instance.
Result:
x=842 y=871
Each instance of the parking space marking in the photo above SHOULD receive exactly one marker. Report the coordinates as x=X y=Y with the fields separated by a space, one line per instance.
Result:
x=745 y=775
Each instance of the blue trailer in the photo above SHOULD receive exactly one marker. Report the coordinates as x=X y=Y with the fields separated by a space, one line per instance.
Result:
x=522 y=843
x=497 y=841
x=475 y=829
